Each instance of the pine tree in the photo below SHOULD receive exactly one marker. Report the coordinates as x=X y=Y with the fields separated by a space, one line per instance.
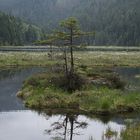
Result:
x=67 y=36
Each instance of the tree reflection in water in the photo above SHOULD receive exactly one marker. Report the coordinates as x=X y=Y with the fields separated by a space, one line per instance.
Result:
x=66 y=127
x=110 y=134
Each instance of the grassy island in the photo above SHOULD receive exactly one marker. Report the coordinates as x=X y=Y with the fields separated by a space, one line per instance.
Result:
x=98 y=94
x=102 y=92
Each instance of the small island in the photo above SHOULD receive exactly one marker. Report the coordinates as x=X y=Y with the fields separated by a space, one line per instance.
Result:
x=77 y=86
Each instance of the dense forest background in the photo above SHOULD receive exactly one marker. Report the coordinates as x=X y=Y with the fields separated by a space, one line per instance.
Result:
x=14 y=31
x=116 y=22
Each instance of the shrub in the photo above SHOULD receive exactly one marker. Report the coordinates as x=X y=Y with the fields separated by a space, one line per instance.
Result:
x=33 y=81
x=116 y=82
x=70 y=82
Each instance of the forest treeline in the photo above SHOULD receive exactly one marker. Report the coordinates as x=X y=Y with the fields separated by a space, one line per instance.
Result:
x=116 y=22
x=14 y=31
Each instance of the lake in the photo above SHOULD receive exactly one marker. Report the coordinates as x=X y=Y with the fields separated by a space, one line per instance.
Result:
x=20 y=123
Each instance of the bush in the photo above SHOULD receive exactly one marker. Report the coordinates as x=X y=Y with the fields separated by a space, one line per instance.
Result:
x=33 y=81
x=116 y=82
x=70 y=82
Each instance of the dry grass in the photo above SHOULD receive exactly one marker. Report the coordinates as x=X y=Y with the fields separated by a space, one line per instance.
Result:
x=108 y=58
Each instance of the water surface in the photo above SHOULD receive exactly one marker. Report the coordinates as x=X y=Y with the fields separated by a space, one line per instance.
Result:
x=18 y=123
x=10 y=83
x=131 y=76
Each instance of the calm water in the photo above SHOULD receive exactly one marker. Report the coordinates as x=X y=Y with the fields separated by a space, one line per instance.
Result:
x=18 y=123
x=131 y=76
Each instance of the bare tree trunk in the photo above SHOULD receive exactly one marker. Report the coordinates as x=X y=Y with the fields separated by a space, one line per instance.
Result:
x=72 y=127
x=66 y=123
x=66 y=61
x=71 y=51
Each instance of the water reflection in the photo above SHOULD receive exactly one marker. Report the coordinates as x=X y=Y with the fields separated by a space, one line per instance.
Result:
x=66 y=127
x=29 y=125
x=110 y=134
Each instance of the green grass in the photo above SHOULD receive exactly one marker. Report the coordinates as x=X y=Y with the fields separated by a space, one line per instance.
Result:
x=24 y=59
x=39 y=93
x=132 y=132
x=108 y=58
x=81 y=58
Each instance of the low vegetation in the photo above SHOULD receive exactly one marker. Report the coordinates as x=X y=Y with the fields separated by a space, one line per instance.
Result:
x=99 y=90
x=131 y=132
x=101 y=93
x=24 y=59
x=108 y=59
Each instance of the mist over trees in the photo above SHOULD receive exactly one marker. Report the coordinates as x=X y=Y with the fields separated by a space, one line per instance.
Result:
x=116 y=22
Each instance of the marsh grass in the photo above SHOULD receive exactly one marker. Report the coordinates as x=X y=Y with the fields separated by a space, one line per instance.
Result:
x=132 y=132
x=108 y=58
x=40 y=92
x=107 y=96
x=88 y=59
x=25 y=59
